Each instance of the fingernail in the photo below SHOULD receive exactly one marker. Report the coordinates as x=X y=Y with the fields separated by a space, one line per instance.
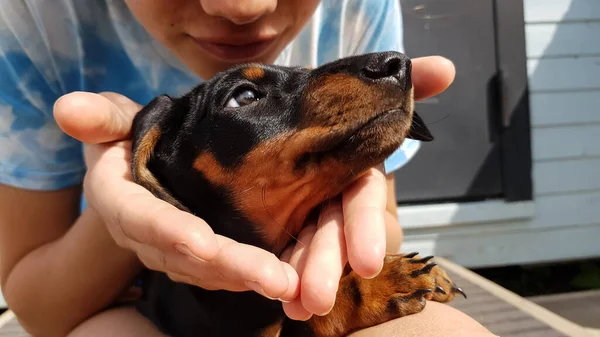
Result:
x=256 y=287
x=182 y=248
x=56 y=102
x=378 y=250
x=369 y=277
x=326 y=313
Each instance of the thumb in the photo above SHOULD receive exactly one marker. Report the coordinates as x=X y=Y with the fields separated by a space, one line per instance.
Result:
x=95 y=118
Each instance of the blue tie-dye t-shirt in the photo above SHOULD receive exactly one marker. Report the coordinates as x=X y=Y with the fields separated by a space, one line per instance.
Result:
x=52 y=47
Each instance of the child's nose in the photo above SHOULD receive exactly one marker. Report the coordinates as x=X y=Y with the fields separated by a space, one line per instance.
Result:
x=239 y=11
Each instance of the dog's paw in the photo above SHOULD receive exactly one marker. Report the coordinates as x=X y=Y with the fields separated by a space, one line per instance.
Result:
x=445 y=289
x=411 y=280
x=401 y=289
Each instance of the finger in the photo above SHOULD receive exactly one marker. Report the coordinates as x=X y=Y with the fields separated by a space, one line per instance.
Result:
x=237 y=267
x=287 y=254
x=294 y=310
x=431 y=75
x=186 y=269
x=187 y=279
x=95 y=118
x=296 y=256
x=325 y=261
x=293 y=289
x=144 y=219
x=134 y=216
x=364 y=223
x=255 y=268
x=179 y=263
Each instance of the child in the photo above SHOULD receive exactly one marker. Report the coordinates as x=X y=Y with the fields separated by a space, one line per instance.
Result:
x=63 y=267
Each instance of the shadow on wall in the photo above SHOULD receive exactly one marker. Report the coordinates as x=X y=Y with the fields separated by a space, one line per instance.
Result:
x=463 y=31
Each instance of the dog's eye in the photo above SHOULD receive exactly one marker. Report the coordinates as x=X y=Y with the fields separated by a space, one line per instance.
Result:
x=242 y=98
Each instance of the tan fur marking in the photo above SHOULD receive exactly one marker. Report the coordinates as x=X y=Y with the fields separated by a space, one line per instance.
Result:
x=141 y=172
x=340 y=100
x=273 y=330
x=253 y=73
x=144 y=152
x=210 y=168
x=267 y=188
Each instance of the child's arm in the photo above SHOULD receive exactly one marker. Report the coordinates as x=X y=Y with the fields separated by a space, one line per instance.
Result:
x=57 y=269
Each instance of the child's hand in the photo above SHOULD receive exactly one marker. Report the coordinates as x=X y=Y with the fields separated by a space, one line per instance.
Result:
x=163 y=237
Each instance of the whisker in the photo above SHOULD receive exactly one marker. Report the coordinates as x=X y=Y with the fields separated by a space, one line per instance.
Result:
x=264 y=203
x=248 y=189
x=439 y=120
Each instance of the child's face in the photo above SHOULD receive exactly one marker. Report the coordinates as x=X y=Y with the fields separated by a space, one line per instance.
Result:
x=212 y=35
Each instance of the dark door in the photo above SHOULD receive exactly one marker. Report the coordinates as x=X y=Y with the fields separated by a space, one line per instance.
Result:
x=464 y=160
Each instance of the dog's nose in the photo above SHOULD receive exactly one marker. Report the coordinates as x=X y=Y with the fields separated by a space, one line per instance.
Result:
x=388 y=66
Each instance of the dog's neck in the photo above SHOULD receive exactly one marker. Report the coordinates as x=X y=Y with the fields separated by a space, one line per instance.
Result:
x=268 y=192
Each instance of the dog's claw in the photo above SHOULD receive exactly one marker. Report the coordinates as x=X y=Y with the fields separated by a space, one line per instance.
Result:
x=439 y=289
x=423 y=260
x=424 y=270
x=422 y=292
x=459 y=290
x=428 y=267
x=411 y=255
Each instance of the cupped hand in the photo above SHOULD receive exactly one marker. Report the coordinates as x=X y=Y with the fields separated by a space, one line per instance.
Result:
x=164 y=238
x=352 y=228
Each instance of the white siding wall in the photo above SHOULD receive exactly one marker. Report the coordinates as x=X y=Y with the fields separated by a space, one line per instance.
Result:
x=563 y=61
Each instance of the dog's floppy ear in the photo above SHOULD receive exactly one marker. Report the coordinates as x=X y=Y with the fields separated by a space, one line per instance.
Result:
x=148 y=127
x=419 y=130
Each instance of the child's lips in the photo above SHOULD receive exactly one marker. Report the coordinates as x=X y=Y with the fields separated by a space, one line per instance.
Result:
x=236 y=50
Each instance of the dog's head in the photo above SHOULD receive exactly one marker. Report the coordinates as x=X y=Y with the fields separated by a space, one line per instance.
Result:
x=263 y=145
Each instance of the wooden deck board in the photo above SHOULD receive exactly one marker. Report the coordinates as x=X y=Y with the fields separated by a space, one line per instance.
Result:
x=500 y=317
x=502 y=312
x=580 y=307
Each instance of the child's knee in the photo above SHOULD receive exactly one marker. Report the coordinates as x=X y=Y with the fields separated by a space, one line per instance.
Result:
x=436 y=320
x=123 y=321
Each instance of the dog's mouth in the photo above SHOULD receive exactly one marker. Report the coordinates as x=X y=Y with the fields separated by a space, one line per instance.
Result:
x=379 y=122
x=380 y=128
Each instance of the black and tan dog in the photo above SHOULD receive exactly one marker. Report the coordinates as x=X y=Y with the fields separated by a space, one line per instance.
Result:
x=254 y=151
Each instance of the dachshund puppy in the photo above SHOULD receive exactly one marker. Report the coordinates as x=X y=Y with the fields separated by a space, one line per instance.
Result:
x=254 y=151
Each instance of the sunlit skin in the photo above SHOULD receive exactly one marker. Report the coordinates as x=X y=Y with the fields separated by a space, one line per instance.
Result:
x=209 y=36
